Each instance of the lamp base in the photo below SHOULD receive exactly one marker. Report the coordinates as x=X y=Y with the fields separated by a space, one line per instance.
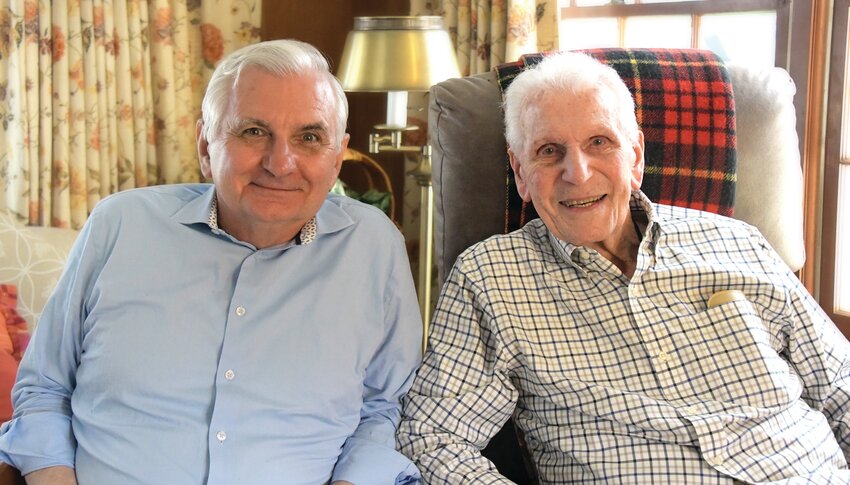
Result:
x=390 y=141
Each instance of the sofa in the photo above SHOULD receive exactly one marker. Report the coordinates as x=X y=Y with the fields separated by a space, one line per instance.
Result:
x=31 y=261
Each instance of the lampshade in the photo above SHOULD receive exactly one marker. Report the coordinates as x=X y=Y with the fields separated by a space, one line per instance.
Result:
x=396 y=54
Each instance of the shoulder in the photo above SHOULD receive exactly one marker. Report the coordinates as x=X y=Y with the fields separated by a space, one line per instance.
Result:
x=165 y=198
x=681 y=219
x=513 y=252
x=362 y=214
x=361 y=223
x=707 y=230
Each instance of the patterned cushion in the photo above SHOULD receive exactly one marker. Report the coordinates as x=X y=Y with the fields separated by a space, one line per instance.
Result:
x=15 y=333
x=685 y=107
x=32 y=259
x=14 y=337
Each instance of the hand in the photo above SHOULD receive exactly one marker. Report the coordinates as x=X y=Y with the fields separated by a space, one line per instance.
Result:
x=54 y=475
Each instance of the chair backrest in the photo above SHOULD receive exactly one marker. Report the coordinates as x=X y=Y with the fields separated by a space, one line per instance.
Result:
x=471 y=178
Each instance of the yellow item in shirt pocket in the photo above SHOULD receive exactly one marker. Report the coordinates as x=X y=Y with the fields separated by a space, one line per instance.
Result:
x=725 y=296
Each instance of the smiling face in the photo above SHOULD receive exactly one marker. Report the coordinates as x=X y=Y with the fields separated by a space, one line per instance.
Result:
x=276 y=155
x=579 y=168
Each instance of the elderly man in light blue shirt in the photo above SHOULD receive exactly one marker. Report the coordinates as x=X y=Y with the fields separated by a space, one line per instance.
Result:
x=256 y=330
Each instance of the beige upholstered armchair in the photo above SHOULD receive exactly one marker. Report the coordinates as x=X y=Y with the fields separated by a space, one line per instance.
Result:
x=472 y=182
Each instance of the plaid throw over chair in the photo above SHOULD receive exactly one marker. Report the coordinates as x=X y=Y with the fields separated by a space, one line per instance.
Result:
x=684 y=105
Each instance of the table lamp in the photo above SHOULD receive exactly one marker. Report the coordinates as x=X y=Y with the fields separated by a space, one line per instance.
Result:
x=397 y=55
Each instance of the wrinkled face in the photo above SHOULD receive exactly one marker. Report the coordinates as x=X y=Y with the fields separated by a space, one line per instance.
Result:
x=578 y=169
x=276 y=156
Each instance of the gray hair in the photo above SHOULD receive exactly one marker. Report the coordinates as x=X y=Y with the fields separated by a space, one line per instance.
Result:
x=282 y=57
x=571 y=72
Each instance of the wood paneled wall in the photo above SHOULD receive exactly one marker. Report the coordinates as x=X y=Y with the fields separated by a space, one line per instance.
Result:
x=325 y=24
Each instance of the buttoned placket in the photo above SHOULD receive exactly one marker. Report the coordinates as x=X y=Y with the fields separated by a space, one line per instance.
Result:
x=225 y=404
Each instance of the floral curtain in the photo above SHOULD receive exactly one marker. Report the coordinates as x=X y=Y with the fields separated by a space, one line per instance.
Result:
x=490 y=32
x=98 y=96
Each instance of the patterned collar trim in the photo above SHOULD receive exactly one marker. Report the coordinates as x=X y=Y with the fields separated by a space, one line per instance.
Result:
x=306 y=236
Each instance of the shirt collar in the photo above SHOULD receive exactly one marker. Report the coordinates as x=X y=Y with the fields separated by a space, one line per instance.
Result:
x=204 y=210
x=305 y=236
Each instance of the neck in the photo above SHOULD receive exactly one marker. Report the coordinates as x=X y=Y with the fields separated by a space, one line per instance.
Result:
x=624 y=249
x=263 y=238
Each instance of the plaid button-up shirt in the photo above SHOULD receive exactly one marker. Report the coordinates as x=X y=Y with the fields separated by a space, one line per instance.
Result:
x=618 y=380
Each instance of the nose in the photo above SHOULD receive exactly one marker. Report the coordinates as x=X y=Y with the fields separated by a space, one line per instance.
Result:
x=280 y=158
x=575 y=167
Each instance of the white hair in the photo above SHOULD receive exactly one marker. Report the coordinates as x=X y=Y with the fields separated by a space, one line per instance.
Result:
x=282 y=57
x=571 y=72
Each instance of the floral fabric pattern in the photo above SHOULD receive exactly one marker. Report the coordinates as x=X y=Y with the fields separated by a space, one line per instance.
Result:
x=99 y=96
x=490 y=32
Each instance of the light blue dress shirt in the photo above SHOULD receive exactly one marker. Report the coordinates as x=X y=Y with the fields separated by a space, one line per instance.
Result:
x=171 y=352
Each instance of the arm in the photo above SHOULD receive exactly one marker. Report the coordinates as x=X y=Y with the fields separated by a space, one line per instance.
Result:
x=55 y=475
x=369 y=454
x=816 y=349
x=461 y=396
x=39 y=435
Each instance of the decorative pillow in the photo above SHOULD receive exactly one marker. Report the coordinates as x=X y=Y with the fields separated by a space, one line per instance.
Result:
x=8 y=373
x=16 y=332
x=32 y=258
x=14 y=337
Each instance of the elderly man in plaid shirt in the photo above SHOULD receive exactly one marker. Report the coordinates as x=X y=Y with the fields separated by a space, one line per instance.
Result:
x=591 y=325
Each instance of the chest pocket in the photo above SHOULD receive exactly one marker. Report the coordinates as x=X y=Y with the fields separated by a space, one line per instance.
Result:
x=728 y=355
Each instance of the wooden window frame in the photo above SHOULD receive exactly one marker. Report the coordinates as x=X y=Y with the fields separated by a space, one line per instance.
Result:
x=832 y=161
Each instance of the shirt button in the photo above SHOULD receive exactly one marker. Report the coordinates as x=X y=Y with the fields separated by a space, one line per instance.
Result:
x=662 y=357
x=229 y=374
x=240 y=310
x=221 y=436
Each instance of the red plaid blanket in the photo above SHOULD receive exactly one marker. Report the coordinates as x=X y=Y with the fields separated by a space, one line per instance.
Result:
x=684 y=106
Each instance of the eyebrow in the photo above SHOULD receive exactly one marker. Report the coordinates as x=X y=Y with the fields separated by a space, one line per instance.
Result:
x=242 y=122
x=314 y=126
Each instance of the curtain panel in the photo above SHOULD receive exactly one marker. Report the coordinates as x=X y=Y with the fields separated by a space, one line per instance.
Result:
x=489 y=32
x=99 y=96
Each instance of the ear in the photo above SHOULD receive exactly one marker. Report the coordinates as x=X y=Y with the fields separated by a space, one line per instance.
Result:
x=203 y=149
x=333 y=174
x=638 y=166
x=519 y=177
x=341 y=155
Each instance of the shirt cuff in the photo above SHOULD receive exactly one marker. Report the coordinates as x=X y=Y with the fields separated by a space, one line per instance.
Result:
x=363 y=463
x=35 y=441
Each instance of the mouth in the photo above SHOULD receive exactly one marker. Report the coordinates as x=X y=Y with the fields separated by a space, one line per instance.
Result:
x=276 y=188
x=581 y=203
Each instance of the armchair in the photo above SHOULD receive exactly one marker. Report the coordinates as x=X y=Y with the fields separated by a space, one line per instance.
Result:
x=473 y=190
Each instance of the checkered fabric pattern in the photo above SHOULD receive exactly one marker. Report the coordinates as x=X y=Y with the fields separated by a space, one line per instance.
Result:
x=618 y=381
x=685 y=107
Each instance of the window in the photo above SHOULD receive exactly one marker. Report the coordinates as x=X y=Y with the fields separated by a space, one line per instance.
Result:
x=741 y=31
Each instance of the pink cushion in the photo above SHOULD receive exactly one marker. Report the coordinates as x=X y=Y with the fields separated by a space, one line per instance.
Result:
x=14 y=337
x=17 y=334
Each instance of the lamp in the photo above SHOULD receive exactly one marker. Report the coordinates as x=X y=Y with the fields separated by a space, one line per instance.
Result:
x=397 y=55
